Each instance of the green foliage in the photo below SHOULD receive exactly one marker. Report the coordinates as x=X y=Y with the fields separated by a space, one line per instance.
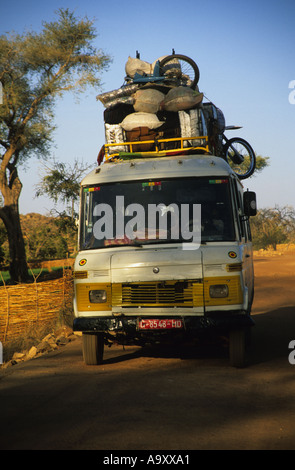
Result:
x=61 y=182
x=261 y=163
x=65 y=224
x=35 y=70
x=45 y=244
x=47 y=237
x=271 y=227
x=3 y=239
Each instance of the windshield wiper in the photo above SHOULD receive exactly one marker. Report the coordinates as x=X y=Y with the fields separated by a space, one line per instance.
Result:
x=157 y=242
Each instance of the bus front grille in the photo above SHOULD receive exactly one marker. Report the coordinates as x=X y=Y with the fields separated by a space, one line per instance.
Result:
x=158 y=294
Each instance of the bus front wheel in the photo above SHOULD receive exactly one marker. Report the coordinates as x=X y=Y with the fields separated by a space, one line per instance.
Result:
x=92 y=348
x=237 y=347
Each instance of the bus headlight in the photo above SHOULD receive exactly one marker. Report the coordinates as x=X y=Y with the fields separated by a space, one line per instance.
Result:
x=97 y=296
x=218 y=291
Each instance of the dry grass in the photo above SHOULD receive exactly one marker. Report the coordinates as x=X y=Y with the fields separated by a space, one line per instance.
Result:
x=31 y=335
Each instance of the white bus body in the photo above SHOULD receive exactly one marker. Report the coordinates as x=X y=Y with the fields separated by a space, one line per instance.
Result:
x=150 y=288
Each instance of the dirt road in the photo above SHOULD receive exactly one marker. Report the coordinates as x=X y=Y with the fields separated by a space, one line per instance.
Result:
x=163 y=399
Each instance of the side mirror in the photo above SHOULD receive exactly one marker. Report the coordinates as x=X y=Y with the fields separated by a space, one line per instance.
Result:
x=250 y=206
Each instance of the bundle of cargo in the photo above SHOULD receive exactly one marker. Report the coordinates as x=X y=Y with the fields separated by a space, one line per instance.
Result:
x=150 y=107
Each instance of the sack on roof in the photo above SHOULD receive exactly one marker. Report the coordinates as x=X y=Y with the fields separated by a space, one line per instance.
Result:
x=181 y=98
x=136 y=65
x=115 y=134
x=141 y=120
x=108 y=98
x=147 y=100
x=214 y=115
x=192 y=124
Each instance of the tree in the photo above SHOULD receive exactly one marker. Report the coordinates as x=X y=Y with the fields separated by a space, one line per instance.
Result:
x=3 y=239
x=43 y=238
x=35 y=70
x=273 y=226
x=61 y=182
x=261 y=163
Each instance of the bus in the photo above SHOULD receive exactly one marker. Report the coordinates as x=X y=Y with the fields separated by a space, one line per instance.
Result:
x=165 y=254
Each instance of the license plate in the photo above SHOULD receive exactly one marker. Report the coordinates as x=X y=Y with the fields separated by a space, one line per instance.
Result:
x=151 y=324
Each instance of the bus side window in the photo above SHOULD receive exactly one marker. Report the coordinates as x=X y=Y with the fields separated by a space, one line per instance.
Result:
x=245 y=219
x=248 y=229
x=238 y=207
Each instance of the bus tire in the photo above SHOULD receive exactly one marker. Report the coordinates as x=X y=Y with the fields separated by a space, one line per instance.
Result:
x=92 y=348
x=237 y=347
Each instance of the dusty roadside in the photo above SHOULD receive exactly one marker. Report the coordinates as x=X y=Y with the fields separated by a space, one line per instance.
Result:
x=142 y=399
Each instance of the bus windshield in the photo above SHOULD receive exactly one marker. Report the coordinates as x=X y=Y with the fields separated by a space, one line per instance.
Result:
x=155 y=211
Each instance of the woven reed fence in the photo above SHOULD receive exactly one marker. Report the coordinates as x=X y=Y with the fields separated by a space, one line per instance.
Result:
x=25 y=305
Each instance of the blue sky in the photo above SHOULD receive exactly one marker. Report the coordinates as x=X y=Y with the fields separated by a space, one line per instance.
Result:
x=245 y=52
